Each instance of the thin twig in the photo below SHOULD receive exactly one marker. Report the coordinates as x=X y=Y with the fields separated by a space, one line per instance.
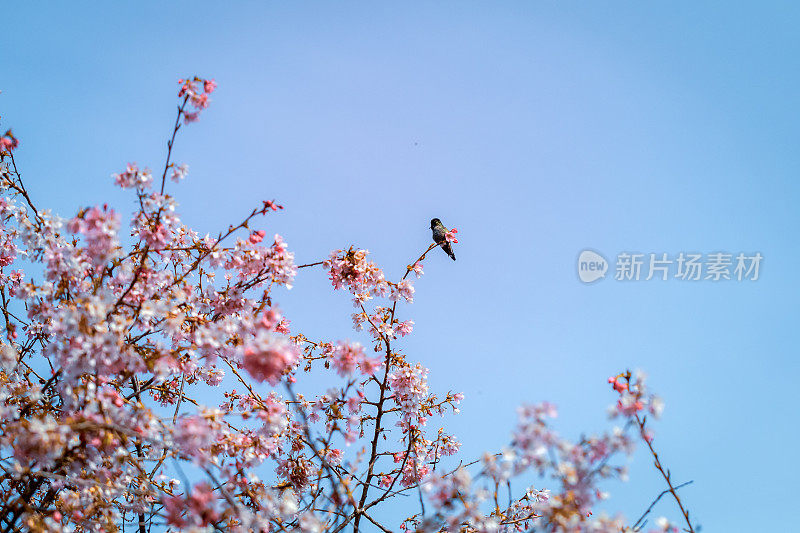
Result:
x=664 y=473
x=636 y=526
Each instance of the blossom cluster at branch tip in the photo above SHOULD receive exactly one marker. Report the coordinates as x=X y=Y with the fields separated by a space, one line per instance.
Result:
x=133 y=178
x=274 y=262
x=363 y=278
x=178 y=172
x=196 y=91
x=8 y=142
x=270 y=205
x=450 y=235
x=634 y=397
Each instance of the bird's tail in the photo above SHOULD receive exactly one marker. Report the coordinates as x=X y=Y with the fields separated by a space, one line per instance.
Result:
x=449 y=250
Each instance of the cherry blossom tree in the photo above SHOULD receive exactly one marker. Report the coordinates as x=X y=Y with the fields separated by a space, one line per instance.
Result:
x=109 y=348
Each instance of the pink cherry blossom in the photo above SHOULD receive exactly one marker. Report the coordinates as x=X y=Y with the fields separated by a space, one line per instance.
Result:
x=8 y=142
x=450 y=236
x=409 y=386
x=132 y=177
x=179 y=172
x=266 y=357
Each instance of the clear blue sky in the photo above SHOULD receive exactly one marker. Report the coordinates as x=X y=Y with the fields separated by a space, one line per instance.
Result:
x=538 y=129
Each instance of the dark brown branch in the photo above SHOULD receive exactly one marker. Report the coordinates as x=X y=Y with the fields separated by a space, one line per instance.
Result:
x=636 y=526
x=310 y=264
x=664 y=473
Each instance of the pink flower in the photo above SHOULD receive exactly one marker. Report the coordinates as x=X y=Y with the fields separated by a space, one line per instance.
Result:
x=333 y=457
x=190 y=117
x=283 y=326
x=194 y=97
x=633 y=396
x=656 y=406
x=132 y=177
x=187 y=87
x=179 y=172
x=8 y=142
x=200 y=101
x=257 y=236
x=175 y=509
x=629 y=405
x=266 y=357
x=193 y=433
x=617 y=384
x=271 y=318
x=201 y=504
x=404 y=328
x=273 y=414
x=250 y=259
x=353 y=271
x=270 y=205
x=410 y=387
x=451 y=235
x=404 y=290
x=197 y=509
x=99 y=228
x=8 y=251
x=345 y=357
x=370 y=365
x=354 y=402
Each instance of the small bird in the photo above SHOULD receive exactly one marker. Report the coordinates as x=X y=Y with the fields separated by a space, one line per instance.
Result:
x=439 y=237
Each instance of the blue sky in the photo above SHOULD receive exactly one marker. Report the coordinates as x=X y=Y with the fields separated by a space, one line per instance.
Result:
x=538 y=129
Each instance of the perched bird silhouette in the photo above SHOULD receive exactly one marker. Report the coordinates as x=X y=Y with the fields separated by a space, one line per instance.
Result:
x=439 y=237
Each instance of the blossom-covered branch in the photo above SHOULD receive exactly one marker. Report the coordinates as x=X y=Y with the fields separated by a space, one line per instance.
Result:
x=112 y=353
